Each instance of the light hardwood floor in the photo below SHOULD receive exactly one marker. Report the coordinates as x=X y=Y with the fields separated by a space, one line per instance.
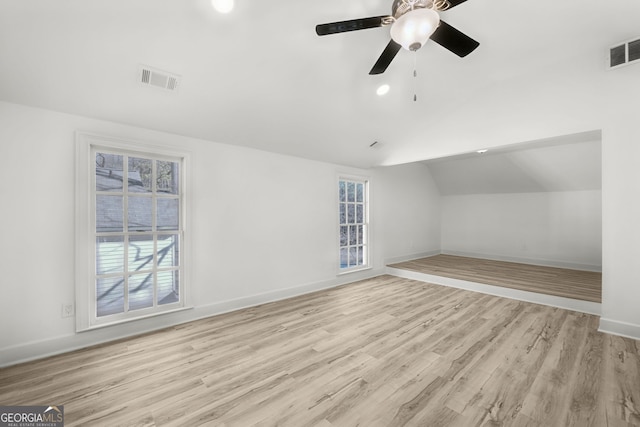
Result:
x=562 y=282
x=381 y=352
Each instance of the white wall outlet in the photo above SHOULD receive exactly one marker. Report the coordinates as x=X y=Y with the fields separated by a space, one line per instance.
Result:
x=68 y=310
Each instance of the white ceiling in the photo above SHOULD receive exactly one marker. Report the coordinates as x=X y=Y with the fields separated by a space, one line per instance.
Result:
x=260 y=77
x=568 y=163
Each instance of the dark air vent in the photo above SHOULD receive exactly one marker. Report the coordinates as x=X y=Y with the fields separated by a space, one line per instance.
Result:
x=160 y=79
x=634 y=50
x=618 y=55
x=172 y=83
x=146 y=76
x=625 y=53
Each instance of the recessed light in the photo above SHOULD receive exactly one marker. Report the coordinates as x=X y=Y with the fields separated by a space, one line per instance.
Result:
x=482 y=151
x=383 y=90
x=222 y=6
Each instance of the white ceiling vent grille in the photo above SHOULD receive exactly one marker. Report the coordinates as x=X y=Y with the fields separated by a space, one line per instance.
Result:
x=624 y=54
x=149 y=76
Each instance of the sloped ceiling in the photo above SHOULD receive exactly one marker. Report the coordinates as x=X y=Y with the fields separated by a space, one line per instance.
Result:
x=568 y=163
x=260 y=76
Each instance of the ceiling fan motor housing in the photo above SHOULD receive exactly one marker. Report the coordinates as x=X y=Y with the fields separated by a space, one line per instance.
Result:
x=400 y=7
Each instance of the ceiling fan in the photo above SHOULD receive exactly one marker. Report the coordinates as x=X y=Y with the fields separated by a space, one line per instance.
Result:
x=412 y=22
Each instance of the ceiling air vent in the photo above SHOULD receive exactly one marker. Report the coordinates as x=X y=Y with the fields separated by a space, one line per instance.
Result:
x=624 y=54
x=149 y=76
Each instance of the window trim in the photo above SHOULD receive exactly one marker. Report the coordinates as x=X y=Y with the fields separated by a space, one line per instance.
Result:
x=86 y=318
x=367 y=217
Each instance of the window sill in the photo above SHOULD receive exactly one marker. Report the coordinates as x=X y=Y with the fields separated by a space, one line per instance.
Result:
x=133 y=319
x=354 y=270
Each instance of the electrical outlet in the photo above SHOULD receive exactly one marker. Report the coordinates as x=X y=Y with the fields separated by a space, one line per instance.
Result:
x=68 y=310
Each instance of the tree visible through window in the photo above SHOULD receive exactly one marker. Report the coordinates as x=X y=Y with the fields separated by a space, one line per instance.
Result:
x=137 y=233
x=353 y=224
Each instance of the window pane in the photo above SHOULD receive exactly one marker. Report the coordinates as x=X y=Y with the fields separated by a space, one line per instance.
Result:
x=343 y=191
x=360 y=255
x=109 y=172
x=140 y=252
x=351 y=191
x=359 y=192
x=110 y=296
x=353 y=256
x=168 y=287
x=139 y=175
x=109 y=254
x=343 y=213
x=359 y=214
x=353 y=234
x=168 y=176
x=139 y=213
x=109 y=213
x=360 y=234
x=344 y=236
x=351 y=213
x=344 y=258
x=140 y=291
x=168 y=251
x=168 y=214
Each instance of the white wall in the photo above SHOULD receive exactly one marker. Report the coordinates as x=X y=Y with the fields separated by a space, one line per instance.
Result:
x=411 y=225
x=556 y=228
x=621 y=203
x=264 y=227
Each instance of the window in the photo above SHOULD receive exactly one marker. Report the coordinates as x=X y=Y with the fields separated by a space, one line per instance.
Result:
x=354 y=224
x=135 y=233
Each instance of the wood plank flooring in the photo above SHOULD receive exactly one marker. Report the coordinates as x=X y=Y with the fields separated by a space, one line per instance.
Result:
x=380 y=352
x=576 y=284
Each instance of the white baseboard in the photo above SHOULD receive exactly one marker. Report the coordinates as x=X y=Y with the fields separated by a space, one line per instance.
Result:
x=532 y=261
x=62 y=344
x=550 y=300
x=623 y=329
x=411 y=257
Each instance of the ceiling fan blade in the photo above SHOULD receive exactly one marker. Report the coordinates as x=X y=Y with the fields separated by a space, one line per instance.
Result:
x=352 y=25
x=454 y=40
x=454 y=3
x=385 y=59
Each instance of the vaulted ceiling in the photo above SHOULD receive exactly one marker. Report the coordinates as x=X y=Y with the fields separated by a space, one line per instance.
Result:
x=567 y=163
x=260 y=76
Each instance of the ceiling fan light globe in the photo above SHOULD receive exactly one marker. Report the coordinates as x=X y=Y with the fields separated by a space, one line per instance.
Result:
x=223 y=6
x=413 y=29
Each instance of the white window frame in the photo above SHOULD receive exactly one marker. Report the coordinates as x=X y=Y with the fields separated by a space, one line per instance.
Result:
x=366 y=224
x=85 y=215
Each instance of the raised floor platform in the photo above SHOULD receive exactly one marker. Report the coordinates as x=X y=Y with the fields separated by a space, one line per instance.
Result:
x=559 y=287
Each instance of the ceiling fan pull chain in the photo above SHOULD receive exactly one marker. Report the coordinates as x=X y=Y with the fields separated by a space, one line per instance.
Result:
x=415 y=75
